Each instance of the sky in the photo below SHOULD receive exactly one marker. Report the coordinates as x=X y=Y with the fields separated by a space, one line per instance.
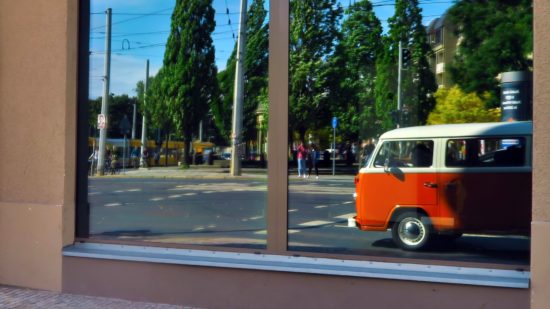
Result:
x=140 y=28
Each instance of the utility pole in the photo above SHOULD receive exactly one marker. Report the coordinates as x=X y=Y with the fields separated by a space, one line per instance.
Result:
x=399 y=104
x=105 y=101
x=238 y=96
x=134 y=122
x=142 y=160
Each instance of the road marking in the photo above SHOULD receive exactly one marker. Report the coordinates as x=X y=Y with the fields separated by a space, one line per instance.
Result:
x=189 y=194
x=175 y=196
x=321 y=206
x=350 y=215
x=156 y=199
x=315 y=223
x=119 y=191
x=344 y=203
x=112 y=204
x=292 y=210
x=200 y=228
x=208 y=192
x=290 y=231
x=133 y=190
x=256 y=218
x=262 y=232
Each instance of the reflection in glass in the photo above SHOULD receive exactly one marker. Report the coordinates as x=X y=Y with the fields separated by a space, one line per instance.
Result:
x=168 y=145
x=399 y=68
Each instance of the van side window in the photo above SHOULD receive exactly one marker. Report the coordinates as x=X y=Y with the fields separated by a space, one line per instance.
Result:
x=408 y=153
x=491 y=152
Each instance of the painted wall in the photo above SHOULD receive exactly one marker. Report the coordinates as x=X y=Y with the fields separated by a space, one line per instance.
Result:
x=540 y=227
x=38 y=48
x=37 y=137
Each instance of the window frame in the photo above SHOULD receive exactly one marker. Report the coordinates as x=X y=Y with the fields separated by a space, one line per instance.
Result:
x=277 y=184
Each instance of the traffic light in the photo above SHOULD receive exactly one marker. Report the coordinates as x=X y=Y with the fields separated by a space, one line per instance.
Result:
x=406 y=58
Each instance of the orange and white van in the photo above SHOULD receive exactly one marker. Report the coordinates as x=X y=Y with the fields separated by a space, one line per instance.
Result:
x=422 y=182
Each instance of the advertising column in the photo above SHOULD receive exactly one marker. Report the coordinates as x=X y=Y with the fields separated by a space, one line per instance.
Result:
x=516 y=96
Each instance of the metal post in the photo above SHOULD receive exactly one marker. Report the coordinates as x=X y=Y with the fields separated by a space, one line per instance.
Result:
x=105 y=101
x=142 y=160
x=334 y=151
x=399 y=106
x=134 y=122
x=238 y=94
x=124 y=157
x=200 y=131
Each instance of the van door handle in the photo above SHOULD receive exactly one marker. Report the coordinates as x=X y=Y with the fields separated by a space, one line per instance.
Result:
x=430 y=185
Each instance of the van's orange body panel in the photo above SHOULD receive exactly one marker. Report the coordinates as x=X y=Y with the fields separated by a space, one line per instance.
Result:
x=475 y=201
x=380 y=193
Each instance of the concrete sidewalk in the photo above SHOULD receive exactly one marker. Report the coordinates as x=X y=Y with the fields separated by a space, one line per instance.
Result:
x=20 y=298
x=211 y=172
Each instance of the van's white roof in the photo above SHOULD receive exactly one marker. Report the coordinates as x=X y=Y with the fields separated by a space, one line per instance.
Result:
x=462 y=130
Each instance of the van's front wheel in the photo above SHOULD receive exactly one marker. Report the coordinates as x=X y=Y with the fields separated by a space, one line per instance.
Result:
x=411 y=230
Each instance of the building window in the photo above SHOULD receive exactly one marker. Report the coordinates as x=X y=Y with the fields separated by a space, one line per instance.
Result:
x=373 y=169
x=165 y=162
x=367 y=172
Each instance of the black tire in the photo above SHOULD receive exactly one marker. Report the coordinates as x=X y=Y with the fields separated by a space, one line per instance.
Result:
x=412 y=231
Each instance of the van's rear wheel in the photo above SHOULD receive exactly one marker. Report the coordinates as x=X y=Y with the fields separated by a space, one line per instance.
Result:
x=411 y=230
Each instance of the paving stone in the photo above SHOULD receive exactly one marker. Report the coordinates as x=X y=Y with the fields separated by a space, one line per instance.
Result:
x=20 y=298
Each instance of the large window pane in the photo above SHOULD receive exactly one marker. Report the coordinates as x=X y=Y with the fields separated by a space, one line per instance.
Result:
x=399 y=144
x=174 y=164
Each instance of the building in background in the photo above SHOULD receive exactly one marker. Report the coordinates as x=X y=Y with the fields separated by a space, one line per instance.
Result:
x=444 y=44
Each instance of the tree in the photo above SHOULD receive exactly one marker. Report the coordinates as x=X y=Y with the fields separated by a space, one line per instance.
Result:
x=189 y=73
x=353 y=70
x=313 y=33
x=255 y=72
x=455 y=106
x=119 y=106
x=496 y=36
x=418 y=81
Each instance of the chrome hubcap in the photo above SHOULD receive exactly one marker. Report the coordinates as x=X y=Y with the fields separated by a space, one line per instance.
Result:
x=412 y=231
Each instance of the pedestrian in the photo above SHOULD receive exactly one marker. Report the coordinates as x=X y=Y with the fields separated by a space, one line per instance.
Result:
x=348 y=155
x=145 y=157
x=301 y=153
x=156 y=157
x=312 y=160
x=135 y=157
x=93 y=160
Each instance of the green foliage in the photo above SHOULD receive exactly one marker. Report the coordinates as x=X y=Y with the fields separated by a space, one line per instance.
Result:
x=188 y=77
x=385 y=88
x=158 y=115
x=223 y=106
x=418 y=81
x=455 y=106
x=352 y=71
x=255 y=67
x=497 y=37
x=119 y=105
x=313 y=33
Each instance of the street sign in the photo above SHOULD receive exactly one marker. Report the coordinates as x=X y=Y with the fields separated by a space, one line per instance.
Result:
x=101 y=121
x=334 y=122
